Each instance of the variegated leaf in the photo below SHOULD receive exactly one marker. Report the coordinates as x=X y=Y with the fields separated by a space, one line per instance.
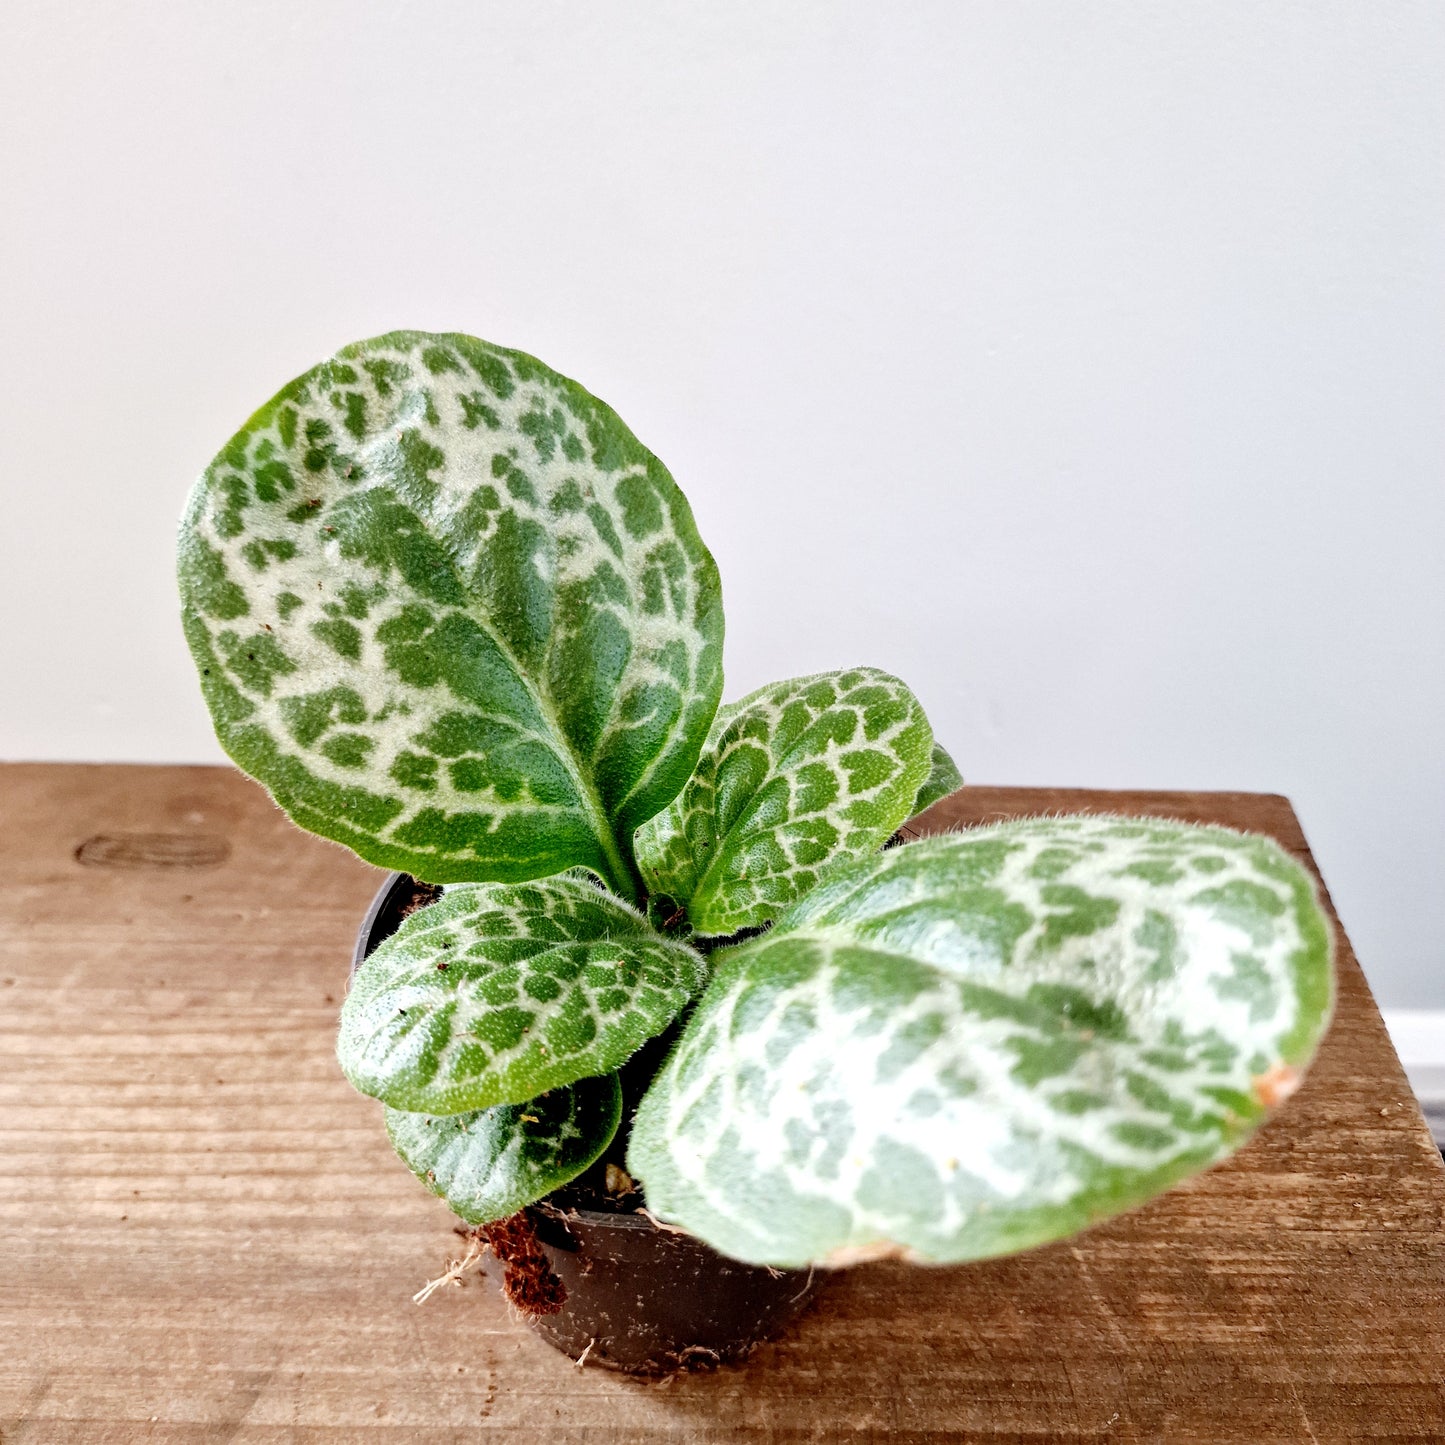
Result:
x=795 y=777
x=943 y=778
x=498 y=992
x=452 y=613
x=983 y=1041
x=489 y=1163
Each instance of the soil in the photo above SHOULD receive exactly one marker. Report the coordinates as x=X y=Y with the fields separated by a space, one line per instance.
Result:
x=421 y=895
x=590 y=1189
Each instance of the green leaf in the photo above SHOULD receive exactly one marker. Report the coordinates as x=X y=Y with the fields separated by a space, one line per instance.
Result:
x=489 y=1163
x=983 y=1041
x=943 y=779
x=795 y=777
x=452 y=613
x=498 y=992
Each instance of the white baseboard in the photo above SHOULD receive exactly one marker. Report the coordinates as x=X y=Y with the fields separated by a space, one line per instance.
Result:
x=1419 y=1039
x=1418 y=1034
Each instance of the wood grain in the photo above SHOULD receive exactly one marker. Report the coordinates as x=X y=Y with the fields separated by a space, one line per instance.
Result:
x=204 y=1236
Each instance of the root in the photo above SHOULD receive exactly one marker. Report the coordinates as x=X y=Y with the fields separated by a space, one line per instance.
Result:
x=527 y=1278
x=476 y=1246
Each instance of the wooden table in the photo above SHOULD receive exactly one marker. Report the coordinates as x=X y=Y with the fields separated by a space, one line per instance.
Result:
x=204 y=1235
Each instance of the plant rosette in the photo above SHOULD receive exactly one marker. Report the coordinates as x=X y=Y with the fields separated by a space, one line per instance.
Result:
x=453 y=615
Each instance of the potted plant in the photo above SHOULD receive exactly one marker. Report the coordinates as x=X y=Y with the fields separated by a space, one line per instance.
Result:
x=665 y=972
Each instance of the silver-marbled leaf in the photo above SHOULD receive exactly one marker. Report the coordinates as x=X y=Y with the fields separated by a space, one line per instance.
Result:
x=452 y=613
x=498 y=992
x=983 y=1041
x=794 y=778
x=943 y=778
x=489 y=1163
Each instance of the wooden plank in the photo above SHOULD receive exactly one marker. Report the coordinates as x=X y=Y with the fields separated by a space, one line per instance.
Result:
x=205 y=1237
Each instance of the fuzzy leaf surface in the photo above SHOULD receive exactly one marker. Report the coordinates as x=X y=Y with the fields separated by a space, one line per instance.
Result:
x=452 y=613
x=943 y=778
x=793 y=778
x=498 y=992
x=489 y=1163
x=983 y=1041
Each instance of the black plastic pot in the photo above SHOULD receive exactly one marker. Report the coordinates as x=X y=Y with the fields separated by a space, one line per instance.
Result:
x=639 y=1297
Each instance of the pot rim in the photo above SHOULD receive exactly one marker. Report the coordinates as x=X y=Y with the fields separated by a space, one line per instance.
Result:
x=610 y=1219
x=368 y=923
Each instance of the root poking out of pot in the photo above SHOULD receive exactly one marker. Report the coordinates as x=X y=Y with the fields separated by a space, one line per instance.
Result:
x=476 y=1246
x=528 y=1281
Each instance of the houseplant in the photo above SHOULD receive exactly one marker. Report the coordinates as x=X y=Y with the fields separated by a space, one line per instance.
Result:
x=451 y=613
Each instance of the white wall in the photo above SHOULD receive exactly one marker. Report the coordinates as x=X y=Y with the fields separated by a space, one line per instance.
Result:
x=1082 y=363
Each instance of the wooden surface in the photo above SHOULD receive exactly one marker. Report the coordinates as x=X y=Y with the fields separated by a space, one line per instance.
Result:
x=204 y=1235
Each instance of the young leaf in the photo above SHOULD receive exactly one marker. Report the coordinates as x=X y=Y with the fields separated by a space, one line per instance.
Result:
x=943 y=779
x=452 y=613
x=490 y=1163
x=793 y=778
x=498 y=992
x=980 y=1042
